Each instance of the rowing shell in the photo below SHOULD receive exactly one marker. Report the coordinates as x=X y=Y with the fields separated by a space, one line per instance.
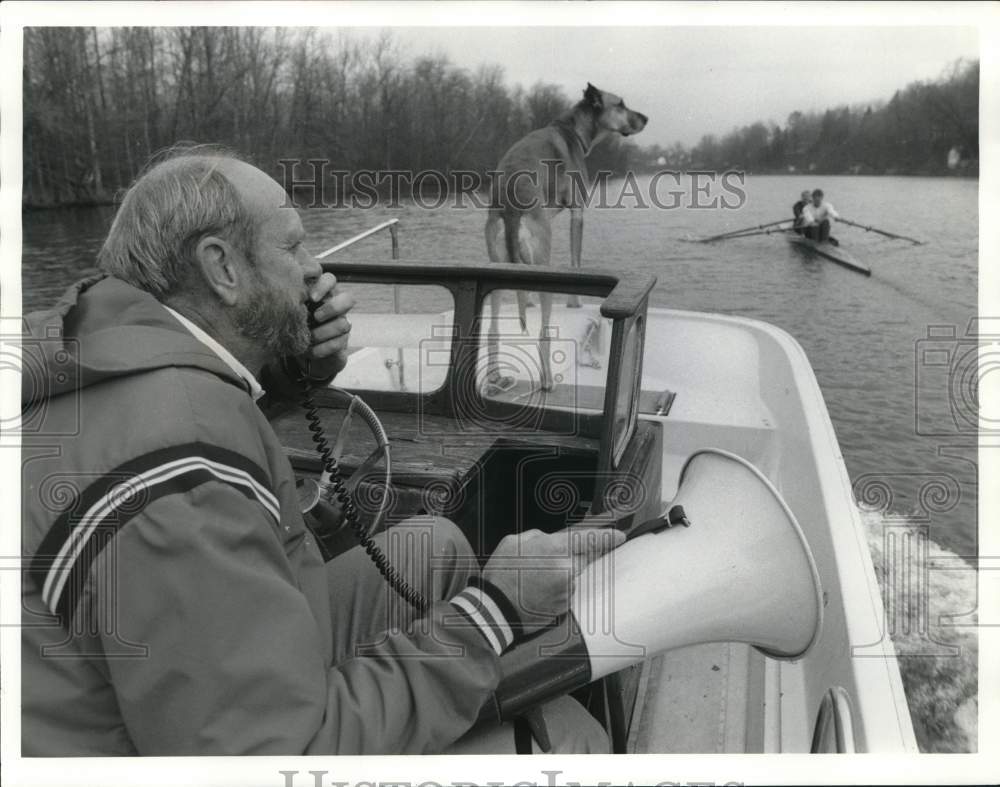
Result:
x=829 y=251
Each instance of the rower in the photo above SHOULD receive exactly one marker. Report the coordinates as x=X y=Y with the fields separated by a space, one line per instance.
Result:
x=816 y=218
x=805 y=197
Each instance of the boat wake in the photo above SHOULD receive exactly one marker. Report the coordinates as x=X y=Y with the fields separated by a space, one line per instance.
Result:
x=909 y=293
x=931 y=598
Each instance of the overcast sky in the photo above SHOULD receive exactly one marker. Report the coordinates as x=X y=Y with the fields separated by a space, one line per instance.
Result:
x=697 y=80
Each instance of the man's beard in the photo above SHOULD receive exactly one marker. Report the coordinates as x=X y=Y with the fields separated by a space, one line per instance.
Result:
x=274 y=320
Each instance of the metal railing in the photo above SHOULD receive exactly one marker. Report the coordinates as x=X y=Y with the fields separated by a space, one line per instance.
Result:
x=393 y=226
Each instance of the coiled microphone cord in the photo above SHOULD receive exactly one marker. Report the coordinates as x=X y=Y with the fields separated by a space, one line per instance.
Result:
x=332 y=467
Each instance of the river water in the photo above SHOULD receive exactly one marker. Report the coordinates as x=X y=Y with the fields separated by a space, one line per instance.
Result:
x=893 y=353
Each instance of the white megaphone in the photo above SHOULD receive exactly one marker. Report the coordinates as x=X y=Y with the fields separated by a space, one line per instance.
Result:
x=740 y=572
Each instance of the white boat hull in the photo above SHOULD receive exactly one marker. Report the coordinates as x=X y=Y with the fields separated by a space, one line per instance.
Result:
x=745 y=387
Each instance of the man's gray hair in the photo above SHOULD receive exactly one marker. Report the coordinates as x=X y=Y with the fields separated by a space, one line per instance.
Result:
x=179 y=199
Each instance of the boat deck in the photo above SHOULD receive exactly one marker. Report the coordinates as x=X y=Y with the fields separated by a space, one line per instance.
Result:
x=704 y=699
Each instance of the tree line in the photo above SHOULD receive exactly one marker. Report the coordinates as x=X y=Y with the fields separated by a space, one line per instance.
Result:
x=926 y=128
x=98 y=102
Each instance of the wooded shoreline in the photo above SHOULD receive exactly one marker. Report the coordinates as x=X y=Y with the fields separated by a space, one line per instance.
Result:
x=99 y=102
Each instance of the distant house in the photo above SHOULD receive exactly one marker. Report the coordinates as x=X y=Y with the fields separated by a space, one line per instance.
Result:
x=958 y=159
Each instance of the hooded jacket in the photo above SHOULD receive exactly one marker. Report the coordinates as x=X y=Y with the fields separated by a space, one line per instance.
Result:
x=174 y=600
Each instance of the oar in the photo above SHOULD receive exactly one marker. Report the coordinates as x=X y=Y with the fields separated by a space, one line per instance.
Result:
x=731 y=233
x=760 y=232
x=867 y=228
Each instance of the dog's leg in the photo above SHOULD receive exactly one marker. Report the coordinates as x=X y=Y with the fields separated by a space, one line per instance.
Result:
x=494 y=248
x=575 y=248
x=527 y=248
x=495 y=382
x=497 y=251
x=544 y=342
x=587 y=356
x=527 y=252
x=540 y=241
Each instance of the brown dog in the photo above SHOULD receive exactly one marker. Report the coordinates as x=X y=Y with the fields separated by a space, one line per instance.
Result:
x=540 y=175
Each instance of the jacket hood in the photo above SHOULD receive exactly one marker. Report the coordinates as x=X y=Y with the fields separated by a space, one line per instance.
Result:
x=102 y=328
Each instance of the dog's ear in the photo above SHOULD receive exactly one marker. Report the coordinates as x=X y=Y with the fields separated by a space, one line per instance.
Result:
x=593 y=96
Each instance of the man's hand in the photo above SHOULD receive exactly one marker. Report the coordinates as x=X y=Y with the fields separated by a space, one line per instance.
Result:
x=328 y=353
x=536 y=570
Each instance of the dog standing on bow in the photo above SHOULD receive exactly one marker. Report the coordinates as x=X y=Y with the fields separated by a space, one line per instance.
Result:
x=543 y=173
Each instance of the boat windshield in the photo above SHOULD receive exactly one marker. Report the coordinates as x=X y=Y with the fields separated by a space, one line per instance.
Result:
x=401 y=338
x=513 y=346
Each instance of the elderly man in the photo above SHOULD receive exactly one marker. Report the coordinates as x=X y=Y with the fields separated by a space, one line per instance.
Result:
x=175 y=602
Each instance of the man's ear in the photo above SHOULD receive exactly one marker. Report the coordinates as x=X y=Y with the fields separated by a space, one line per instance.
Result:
x=593 y=96
x=220 y=268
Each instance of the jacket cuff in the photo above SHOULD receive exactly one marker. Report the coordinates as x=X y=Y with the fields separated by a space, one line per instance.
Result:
x=485 y=606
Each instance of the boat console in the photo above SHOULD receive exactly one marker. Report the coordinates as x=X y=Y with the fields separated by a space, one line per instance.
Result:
x=461 y=442
x=453 y=372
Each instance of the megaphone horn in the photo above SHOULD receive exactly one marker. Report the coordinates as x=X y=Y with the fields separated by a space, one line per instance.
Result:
x=741 y=572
